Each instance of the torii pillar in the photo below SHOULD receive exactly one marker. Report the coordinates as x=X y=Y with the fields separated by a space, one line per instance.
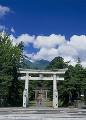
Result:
x=55 y=92
x=25 y=92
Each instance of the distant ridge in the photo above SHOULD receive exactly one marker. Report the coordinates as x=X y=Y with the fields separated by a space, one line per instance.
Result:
x=41 y=64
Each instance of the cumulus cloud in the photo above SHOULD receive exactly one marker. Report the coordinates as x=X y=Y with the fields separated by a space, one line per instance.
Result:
x=28 y=55
x=70 y=59
x=3 y=11
x=26 y=38
x=49 y=41
x=83 y=63
x=67 y=50
x=79 y=42
x=46 y=54
x=49 y=47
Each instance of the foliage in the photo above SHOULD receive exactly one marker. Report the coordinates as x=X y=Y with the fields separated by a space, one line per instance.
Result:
x=10 y=57
x=57 y=63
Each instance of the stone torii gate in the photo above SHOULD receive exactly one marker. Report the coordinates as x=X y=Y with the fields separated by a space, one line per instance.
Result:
x=41 y=72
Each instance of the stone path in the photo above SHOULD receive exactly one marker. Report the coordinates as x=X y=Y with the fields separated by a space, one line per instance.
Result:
x=41 y=102
x=36 y=113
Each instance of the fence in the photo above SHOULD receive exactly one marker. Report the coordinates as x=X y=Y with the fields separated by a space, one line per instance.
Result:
x=79 y=104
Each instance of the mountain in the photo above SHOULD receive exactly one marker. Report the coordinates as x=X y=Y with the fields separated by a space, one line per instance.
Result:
x=41 y=64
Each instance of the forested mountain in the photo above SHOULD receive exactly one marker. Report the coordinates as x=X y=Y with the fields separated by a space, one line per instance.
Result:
x=41 y=64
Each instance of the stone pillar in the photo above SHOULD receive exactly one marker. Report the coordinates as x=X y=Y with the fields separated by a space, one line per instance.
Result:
x=26 y=88
x=55 y=92
x=24 y=98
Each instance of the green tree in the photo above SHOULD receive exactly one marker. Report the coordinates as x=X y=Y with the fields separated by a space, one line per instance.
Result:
x=74 y=82
x=10 y=57
x=57 y=63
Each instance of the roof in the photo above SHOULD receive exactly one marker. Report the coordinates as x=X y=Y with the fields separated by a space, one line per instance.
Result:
x=53 y=71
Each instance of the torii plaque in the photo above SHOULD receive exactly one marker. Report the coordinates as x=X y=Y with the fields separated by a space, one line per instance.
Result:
x=41 y=72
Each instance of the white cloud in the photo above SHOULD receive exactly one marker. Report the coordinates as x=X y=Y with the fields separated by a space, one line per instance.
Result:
x=46 y=54
x=28 y=55
x=67 y=50
x=13 y=39
x=70 y=59
x=26 y=38
x=4 y=11
x=12 y=30
x=49 y=41
x=83 y=63
x=52 y=46
x=79 y=42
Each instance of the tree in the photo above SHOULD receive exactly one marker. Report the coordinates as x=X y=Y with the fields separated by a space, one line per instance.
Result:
x=74 y=82
x=10 y=57
x=57 y=63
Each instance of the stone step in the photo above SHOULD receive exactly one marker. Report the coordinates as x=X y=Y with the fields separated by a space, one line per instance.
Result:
x=37 y=113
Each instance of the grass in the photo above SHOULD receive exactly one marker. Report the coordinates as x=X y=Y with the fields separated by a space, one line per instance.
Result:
x=32 y=103
x=48 y=103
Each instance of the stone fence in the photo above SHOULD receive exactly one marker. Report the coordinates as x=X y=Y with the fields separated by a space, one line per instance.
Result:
x=79 y=104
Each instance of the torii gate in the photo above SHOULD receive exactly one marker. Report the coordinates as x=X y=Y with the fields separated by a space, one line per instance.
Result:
x=41 y=72
x=40 y=89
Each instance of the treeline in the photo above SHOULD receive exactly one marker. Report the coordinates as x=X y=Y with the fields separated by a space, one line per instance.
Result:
x=74 y=84
x=11 y=89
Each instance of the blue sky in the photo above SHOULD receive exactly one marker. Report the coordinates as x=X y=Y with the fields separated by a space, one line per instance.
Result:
x=49 y=28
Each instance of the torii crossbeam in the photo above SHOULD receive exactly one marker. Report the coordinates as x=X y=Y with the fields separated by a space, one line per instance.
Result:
x=41 y=72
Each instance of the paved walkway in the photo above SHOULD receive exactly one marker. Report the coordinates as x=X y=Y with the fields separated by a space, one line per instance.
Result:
x=36 y=113
x=40 y=103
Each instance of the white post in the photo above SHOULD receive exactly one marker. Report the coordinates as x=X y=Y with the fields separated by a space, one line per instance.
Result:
x=55 y=93
x=24 y=98
x=26 y=88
